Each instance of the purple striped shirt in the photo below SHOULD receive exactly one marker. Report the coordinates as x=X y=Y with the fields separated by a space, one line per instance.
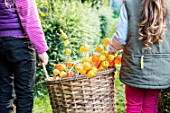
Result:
x=28 y=14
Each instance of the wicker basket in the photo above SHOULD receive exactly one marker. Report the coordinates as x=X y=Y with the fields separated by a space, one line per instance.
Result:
x=81 y=95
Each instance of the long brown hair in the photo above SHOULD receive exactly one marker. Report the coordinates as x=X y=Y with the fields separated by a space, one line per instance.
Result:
x=153 y=23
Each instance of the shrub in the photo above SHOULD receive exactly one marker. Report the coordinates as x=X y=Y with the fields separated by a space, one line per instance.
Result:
x=164 y=101
x=108 y=23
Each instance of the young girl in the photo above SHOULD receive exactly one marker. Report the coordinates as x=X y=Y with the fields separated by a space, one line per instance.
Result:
x=20 y=33
x=143 y=32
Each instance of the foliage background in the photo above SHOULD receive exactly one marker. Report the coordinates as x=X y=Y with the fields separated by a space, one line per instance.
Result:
x=83 y=24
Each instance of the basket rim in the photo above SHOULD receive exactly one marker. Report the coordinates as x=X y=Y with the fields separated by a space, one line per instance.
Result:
x=78 y=76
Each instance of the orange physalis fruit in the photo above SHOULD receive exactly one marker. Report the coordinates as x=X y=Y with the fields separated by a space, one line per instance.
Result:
x=99 y=48
x=102 y=58
x=63 y=74
x=87 y=66
x=118 y=60
x=84 y=48
x=96 y=64
x=94 y=69
x=95 y=58
x=106 y=41
x=105 y=53
x=82 y=72
x=112 y=63
x=60 y=67
x=101 y=68
x=78 y=67
x=69 y=65
x=90 y=74
x=56 y=72
x=85 y=59
x=105 y=64
x=70 y=73
x=111 y=57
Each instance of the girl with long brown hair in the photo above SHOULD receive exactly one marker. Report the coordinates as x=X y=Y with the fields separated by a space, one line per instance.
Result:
x=143 y=32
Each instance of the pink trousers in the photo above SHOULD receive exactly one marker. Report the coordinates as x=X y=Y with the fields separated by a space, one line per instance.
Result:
x=141 y=100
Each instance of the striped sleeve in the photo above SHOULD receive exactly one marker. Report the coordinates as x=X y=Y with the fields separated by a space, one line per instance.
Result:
x=120 y=36
x=31 y=23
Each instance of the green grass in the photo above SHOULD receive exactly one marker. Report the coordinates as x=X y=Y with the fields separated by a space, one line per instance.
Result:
x=120 y=97
x=42 y=104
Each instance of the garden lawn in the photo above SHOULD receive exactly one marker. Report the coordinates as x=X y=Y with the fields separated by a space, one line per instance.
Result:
x=42 y=104
x=120 y=97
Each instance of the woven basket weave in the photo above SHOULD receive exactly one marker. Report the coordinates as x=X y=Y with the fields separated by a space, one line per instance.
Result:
x=81 y=95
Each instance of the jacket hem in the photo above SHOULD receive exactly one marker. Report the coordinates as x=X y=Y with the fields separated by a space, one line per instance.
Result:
x=145 y=86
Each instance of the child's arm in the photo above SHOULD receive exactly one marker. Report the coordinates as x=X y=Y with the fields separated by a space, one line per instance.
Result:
x=120 y=36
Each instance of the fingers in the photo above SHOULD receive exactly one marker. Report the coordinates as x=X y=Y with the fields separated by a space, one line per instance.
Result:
x=43 y=59
x=111 y=49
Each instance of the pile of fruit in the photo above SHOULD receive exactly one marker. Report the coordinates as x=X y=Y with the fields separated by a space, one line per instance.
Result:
x=90 y=64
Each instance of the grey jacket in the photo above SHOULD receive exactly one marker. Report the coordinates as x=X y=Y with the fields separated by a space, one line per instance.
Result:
x=156 y=70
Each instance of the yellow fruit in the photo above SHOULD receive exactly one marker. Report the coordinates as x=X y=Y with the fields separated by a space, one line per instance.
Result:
x=82 y=72
x=99 y=48
x=84 y=48
x=90 y=74
x=86 y=59
x=78 y=67
x=66 y=43
x=63 y=74
x=94 y=69
x=111 y=57
x=61 y=31
x=56 y=72
x=102 y=58
x=87 y=66
x=105 y=53
x=63 y=35
x=105 y=64
x=106 y=41
x=116 y=74
x=101 y=68
x=68 y=51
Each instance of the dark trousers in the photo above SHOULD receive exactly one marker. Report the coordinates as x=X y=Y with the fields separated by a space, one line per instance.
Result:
x=17 y=65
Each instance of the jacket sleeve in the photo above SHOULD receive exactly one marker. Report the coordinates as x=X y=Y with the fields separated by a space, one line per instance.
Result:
x=30 y=21
x=120 y=36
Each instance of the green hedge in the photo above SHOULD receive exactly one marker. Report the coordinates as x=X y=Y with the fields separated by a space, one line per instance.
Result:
x=164 y=101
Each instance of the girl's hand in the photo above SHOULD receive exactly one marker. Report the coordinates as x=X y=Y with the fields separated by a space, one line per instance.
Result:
x=111 y=49
x=43 y=58
x=114 y=45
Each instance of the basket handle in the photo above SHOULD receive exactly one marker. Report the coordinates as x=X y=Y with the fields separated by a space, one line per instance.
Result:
x=45 y=71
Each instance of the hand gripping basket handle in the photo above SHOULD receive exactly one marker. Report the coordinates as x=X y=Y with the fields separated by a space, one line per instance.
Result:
x=45 y=71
